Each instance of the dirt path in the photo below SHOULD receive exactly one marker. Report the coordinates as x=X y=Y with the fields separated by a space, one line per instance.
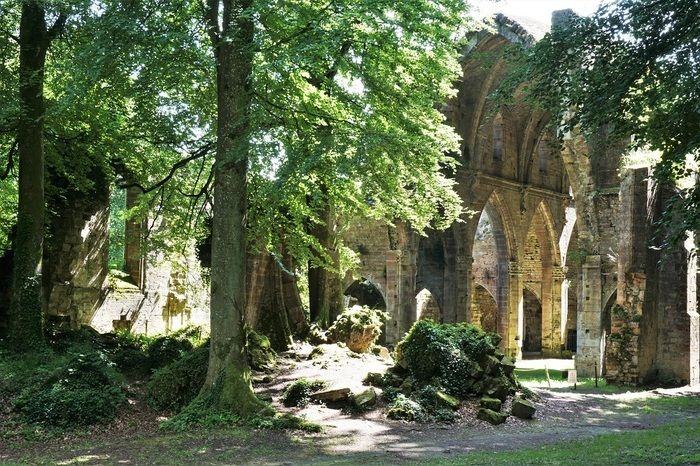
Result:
x=361 y=439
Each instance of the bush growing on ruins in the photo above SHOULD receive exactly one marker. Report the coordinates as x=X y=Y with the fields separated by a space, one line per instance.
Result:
x=358 y=327
x=298 y=393
x=403 y=408
x=460 y=360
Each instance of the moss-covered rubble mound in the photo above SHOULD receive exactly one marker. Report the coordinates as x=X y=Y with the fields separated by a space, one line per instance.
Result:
x=459 y=360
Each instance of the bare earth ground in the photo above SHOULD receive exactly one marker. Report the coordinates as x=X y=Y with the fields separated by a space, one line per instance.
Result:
x=370 y=438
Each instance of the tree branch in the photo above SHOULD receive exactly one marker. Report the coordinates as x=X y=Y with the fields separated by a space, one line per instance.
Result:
x=211 y=17
x=11 y=36
x=199 y=153
x=57 y=27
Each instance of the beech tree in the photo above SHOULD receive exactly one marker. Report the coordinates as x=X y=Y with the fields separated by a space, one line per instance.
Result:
x=116 y=109
x=35 y=37
x=228 y=384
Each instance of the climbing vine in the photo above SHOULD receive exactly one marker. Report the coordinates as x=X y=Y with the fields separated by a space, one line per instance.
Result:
x=621 y=341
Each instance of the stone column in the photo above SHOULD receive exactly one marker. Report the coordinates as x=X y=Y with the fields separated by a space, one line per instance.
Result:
x=547 y=300
x=557 y=335
x=464 y=289
x=588 y=325
x=511 y=328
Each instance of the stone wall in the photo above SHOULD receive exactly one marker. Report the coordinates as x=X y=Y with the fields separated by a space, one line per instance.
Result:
x=75 y=258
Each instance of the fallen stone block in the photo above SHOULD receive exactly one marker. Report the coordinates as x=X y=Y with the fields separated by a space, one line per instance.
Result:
x=447 y=400
x=522 y=408
x=492 y=417
x=333 y=396
x=365 y=399
x=494 y=404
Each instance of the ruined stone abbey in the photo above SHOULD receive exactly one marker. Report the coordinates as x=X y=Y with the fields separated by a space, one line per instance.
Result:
x=553 y=254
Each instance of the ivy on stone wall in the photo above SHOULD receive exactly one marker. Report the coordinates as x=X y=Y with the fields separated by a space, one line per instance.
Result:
x=621 y=349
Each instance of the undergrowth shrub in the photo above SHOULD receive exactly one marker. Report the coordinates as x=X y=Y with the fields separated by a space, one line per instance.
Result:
x=298 y=393
x=166 y=349
x=284 y=421
x=175 y=385
x=85 y=391
x=405 y=409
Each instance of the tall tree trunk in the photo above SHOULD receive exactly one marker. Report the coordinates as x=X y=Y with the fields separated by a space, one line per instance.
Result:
x=228 y=383
x=26 y=317
x=280 y=313
x=325 y=294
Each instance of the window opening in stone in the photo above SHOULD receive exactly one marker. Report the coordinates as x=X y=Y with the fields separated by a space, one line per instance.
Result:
x=364 y=293
x=532 y=312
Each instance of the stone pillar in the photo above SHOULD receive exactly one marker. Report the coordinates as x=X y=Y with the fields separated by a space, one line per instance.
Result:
x=547 y=301
x=588 y=326
x=134 y=260
x=564 y=308
x=692 y=309
x=556 y=335
x=511 y=328
x=465 y=290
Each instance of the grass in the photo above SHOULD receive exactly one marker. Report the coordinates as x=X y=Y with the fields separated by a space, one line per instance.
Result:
x=558 y=382
x=675 y=443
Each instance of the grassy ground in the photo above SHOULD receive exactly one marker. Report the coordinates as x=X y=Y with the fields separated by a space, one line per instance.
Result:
x=675 y=443
x=557 y=381
x=665 y=431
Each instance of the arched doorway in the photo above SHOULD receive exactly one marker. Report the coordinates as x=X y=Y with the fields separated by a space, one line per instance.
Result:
x=427 y=306
x=484 y=306
x=532 y=313
x=364 y=293
x=491 y=252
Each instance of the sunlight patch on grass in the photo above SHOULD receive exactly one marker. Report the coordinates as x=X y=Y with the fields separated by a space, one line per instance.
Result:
x=83 y=459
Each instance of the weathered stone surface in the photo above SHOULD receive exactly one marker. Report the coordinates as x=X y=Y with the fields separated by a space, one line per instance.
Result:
x=496 y=387
x=374 y=379
x=507 y=365
x=382 y=352
x=365 y=399
x=522 y=408
x=490 y=365
x=492 y=417
x=447 y=400
x=494 y=404
x=333 y=395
